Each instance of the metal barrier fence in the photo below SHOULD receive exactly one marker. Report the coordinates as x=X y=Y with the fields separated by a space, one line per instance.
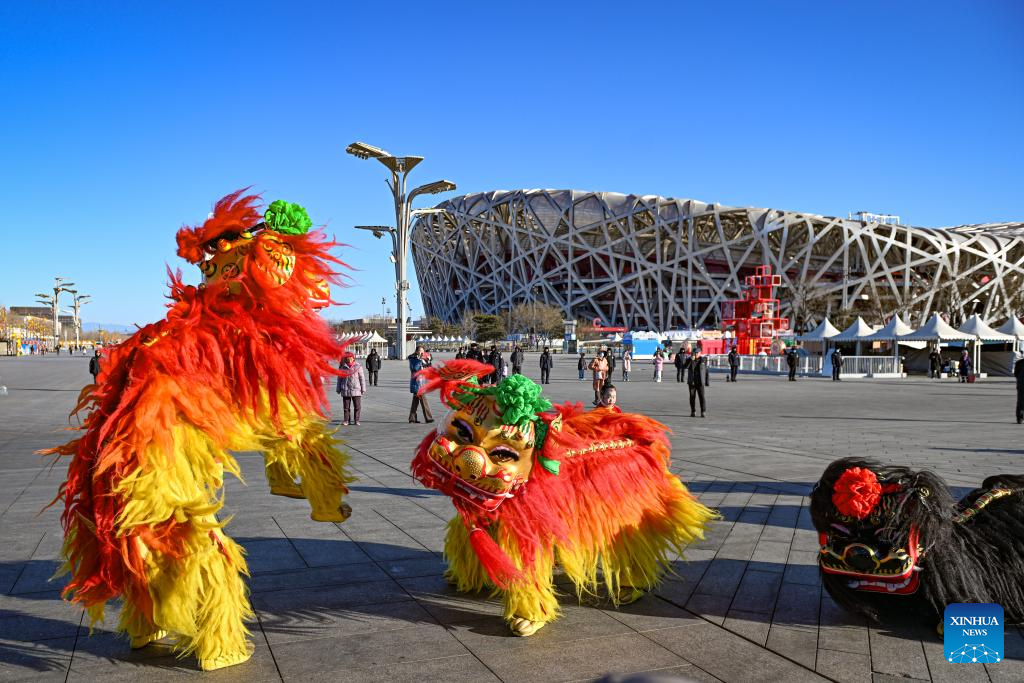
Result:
x=853 y=366
x=769 y=365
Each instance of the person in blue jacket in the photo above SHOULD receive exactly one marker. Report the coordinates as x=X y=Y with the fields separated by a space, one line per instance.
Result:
x=417 y=363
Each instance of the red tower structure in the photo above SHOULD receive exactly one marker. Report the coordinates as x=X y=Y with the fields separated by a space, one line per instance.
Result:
x=754 y=319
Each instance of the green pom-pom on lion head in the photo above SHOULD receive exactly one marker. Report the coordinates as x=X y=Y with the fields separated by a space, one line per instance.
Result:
x=287 y=218
x=519 y=400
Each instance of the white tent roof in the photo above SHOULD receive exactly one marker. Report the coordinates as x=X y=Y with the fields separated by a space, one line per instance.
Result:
x=857 y=331
x=1012 y=327
x=894 y=330
x=374 y=337
x=826 y=330
x=976 y=326
x=936 y=329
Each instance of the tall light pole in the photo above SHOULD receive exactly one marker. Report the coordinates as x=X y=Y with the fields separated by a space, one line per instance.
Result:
x=53 y=302
x=79 y=301
x=399 y=167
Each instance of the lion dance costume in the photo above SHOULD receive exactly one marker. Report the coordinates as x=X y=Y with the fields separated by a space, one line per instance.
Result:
x=895 y=544
x=534 y=486
x=235 y=366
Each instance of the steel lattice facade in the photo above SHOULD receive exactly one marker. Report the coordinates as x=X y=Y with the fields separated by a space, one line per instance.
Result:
x=656 y=263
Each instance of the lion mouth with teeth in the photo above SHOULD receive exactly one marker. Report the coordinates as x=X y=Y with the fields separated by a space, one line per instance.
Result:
x=894 y=543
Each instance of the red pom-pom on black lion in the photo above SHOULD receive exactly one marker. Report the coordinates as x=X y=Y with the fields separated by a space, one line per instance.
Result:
x=235 y=366
x=533 y=485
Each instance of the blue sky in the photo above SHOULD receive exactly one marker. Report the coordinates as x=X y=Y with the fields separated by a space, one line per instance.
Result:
x=121 y=121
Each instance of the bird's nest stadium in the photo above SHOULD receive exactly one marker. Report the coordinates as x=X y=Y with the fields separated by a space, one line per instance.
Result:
x=657 y=263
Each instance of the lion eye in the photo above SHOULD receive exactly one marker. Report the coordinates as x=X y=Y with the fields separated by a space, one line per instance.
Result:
x=504 y=455
x=463 y=432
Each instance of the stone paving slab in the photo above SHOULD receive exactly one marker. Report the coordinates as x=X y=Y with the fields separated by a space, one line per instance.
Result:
x=366 y=600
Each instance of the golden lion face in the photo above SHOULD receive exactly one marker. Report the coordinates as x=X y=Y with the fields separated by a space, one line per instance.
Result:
x=485 y=460
x=266 y=256
x=229 y=256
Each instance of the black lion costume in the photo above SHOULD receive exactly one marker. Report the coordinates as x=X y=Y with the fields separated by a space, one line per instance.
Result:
x=895 y=544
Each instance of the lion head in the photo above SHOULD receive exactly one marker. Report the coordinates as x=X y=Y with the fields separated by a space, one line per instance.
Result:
x=486 y=447
x=875 y=523
x=251 y=253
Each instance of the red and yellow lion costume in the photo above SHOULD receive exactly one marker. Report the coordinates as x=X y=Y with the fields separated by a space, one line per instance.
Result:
x=236 y=365
x=534 y=486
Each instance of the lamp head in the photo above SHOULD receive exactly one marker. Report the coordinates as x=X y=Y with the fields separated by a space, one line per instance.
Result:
x=365 y=151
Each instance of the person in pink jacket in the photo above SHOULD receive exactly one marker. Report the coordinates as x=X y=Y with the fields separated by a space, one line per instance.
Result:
x=659 y=363
x=351 y=386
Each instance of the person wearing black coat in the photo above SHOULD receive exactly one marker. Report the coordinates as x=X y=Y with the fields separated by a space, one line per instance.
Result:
x=934 y=364
x=1018 y=372
x=94 y=365
x=372 y=367
x=517 y=361
x=582 y=365
x=494 y=359
x=697 y=379
x=837 y=365
x=734 y=364
x=610 y=357
x=475 y=353
x=546 y=363
x=680 y=363
x=791 y=361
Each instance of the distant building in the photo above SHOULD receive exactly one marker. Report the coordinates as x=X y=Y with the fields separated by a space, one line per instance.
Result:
x=44 y=312
x=657 y=263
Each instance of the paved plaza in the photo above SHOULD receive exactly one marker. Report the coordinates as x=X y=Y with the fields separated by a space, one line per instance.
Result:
x=365 y=600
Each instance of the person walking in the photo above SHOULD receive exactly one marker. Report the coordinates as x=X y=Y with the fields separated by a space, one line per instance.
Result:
x=94 y=365
x=372 y=367
x=791 y=361
x=581 y=365
x=495 y=360
x=679 y=360
x=475 y=353
x=599 y=368
x=517 y=360
x=610 y=357
x=697 y=379
x=627 y=365
x=351 y=386
x=734 y=364
x=837 y=364
x=546 y=363
x=966 y=366
x=1018 y=372
x=659 y=364
x=935 y=364
x=415 y=365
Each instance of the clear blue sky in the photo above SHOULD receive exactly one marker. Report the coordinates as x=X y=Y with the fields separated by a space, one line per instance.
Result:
x=121 y=121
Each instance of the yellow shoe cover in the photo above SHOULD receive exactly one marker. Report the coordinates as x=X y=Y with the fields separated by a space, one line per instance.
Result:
x=225 y=661
x=293 y=491
x=524 y=627
x=628 y=595
x=343 y=512
x=139 y=642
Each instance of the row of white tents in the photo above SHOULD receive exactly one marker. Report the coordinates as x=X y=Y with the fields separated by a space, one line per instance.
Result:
x=935 y=330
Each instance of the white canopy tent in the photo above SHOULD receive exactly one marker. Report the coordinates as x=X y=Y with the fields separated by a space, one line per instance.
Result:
x=937 y=329
x=823 y=332
x=857 y=332
x=1014 y=328
x=983 y=333
x=892 y=332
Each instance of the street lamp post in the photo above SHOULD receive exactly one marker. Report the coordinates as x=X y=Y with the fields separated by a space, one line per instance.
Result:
x=52 y=300
x=79 y=301
x=399 y=167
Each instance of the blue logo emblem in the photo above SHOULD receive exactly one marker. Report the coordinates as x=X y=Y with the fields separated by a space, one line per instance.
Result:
x=973 y=632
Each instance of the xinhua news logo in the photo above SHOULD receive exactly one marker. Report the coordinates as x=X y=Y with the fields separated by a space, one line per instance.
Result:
x=973 y=632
